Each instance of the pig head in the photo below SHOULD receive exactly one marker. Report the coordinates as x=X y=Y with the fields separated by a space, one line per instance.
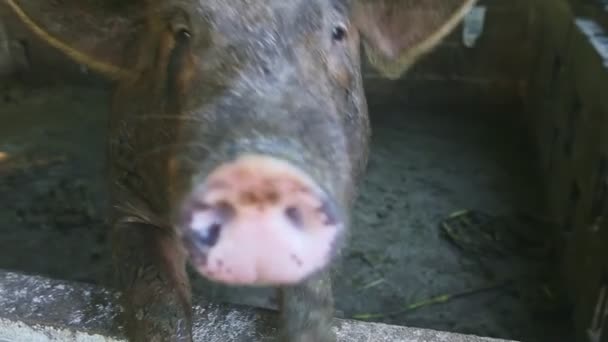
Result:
x=239 y=133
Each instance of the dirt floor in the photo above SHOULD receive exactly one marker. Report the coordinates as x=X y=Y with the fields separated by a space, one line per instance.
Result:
x=483 y=277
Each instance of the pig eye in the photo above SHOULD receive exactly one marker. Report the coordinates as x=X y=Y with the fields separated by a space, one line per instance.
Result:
x=338 y=33
x=182 y=36
x=176 y=59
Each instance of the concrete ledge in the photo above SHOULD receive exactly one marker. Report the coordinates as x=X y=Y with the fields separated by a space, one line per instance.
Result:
x=37 y=309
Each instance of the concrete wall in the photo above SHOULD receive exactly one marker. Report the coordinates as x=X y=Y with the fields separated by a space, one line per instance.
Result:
x=37 y=309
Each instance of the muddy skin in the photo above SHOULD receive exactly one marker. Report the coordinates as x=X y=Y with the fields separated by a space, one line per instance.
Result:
x=238 y=135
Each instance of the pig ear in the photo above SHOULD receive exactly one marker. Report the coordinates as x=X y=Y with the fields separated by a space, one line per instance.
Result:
x=90 y=32
x=395 y=33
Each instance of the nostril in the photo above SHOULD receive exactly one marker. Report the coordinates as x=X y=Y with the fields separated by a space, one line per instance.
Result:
x=294 y=215
x=209 y=237
x=203 y=222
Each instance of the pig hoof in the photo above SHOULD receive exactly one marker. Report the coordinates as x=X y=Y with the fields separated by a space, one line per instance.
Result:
x=259 y=221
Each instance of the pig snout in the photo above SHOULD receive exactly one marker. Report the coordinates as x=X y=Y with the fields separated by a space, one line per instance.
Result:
x=258 y=220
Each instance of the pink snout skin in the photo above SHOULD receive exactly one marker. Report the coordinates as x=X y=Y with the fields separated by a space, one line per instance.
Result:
x=259 y=221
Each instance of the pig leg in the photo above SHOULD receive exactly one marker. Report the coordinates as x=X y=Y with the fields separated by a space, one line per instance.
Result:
x=307 y=311
x=154 y=282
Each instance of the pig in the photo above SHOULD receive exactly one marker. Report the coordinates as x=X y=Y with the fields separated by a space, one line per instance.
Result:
x=239 y=132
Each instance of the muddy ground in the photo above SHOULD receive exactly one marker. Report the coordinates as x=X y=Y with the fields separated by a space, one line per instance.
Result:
x=425 y=165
